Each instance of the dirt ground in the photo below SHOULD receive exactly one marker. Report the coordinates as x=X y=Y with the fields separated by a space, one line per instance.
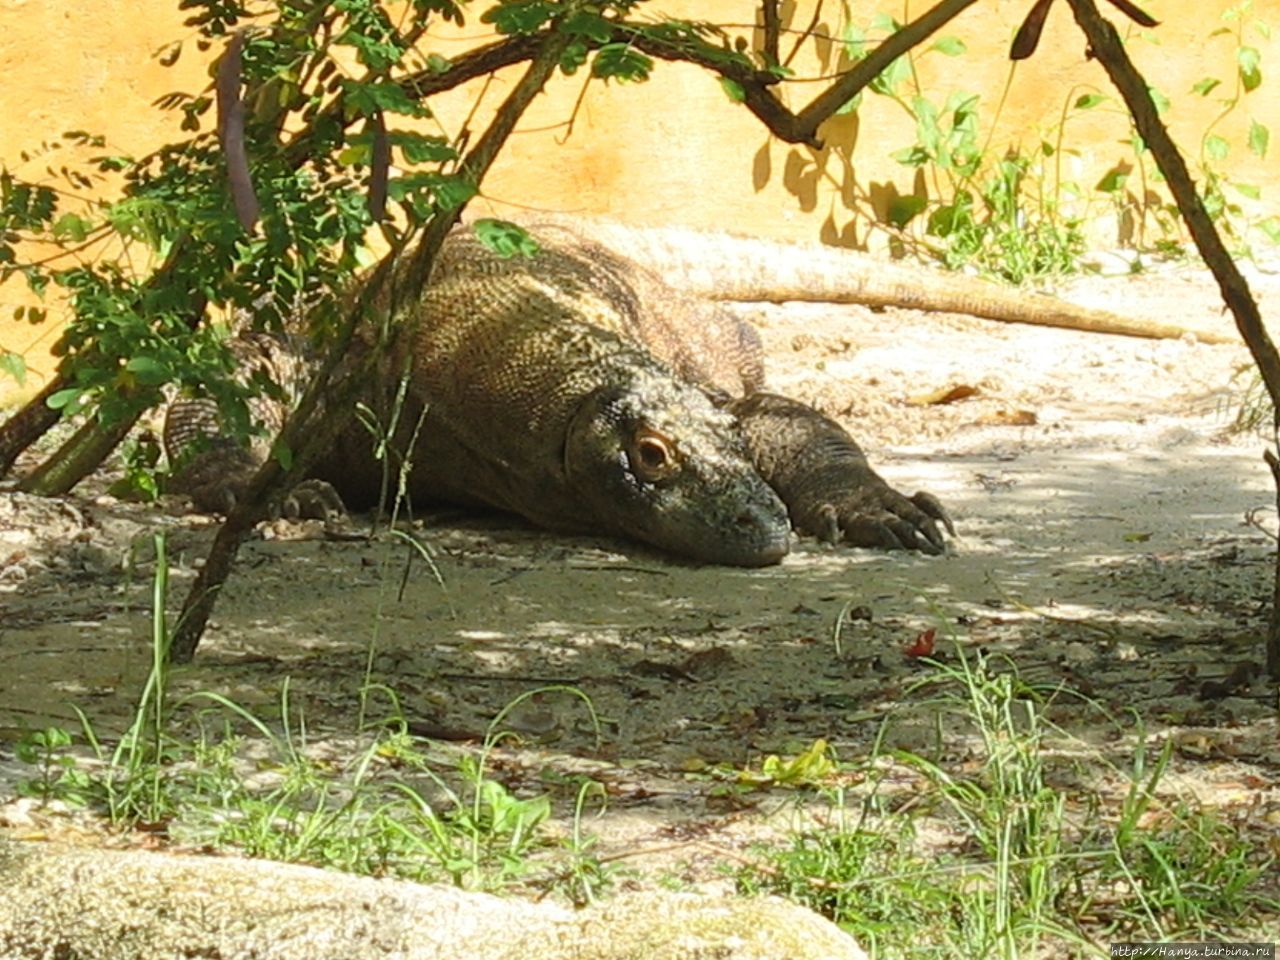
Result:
x=1099 y=495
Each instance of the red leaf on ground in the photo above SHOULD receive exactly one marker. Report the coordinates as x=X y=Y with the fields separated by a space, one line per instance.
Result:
x=923 y=645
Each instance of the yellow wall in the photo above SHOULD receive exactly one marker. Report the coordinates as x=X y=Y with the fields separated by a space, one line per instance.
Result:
x=674 y=150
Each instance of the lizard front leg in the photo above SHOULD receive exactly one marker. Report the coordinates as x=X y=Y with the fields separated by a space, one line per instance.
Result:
x=830 y=490
x=214 y=469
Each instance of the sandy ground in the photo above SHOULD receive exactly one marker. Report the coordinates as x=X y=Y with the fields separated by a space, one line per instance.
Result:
x=1100 y=499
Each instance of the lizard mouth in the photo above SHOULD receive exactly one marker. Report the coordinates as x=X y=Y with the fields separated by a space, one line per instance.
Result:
x=758 y=535
x=770 y=540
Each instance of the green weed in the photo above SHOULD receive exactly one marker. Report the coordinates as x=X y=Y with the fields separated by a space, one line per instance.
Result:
x=1021 y=876
x=204 y=770
x=58 y=774
x=1010 y=210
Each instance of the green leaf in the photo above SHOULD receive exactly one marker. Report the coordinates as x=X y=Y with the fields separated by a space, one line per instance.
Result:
x=1259 y=138
x=911 y=156
x=950 y=46
x=430 y=190
x=113 y=164
x=1113 y=180
x=414 y=147
x=891 y=77
x=72 y=227
x=810 y=767
x=65 y=399
x=504 y=238
x=964 y=112
x=454 y=190
x=14 y=365
x=885 y=23
x=574 y=56
x=733 y=90
x=1247 y=190
x=1159 y=99
x=1205 y=86
x=928 y=133
x=367 y=99
x=1249 y=61
x=149 y=370
x=281 y=453
x=850 y=106
x=905 y=208
x=1271 y=227
x=855 y=42
x=622 y=62
x=585 y=23
x=519 y=16
x=1216 y=147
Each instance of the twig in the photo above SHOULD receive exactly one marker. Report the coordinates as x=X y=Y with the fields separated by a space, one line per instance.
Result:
x=478 y=160
x=805 y=34
x=843 y=90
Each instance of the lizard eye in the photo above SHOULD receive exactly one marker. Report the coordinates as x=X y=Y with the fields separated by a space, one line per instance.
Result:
x=652 y=456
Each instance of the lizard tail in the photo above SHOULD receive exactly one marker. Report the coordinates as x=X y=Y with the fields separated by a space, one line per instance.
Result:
x=727 y=267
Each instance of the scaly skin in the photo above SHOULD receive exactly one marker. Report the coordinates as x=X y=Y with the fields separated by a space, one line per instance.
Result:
x=577 y=389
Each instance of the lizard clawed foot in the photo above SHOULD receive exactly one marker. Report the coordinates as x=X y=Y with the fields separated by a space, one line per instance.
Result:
x=313 y=500
x=830 y=490
x=878 y=516
x=217 y=480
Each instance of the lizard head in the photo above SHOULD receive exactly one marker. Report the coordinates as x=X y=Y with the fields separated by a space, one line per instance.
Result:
x=657 y=461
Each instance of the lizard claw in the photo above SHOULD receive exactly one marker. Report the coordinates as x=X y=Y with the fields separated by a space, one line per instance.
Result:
x=217 y=480
x=830 y=490
x=313 y=500
x=931 y=505
x=878 y=516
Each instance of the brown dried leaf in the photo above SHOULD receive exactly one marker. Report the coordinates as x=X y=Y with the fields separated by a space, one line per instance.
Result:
x=951 y=394
x=379 y=165
x=1027 y=38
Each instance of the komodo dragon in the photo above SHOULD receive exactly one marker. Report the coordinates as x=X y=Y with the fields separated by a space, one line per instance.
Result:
x=582 y=391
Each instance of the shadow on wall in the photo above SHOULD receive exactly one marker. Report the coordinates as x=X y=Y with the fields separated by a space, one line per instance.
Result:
x=854 y=210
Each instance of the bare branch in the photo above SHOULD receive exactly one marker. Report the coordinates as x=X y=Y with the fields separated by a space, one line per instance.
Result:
x=772 y=26
x=844 y=89
x=1105 y=43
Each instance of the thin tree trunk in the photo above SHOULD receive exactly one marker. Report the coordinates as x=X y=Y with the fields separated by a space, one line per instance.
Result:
x=32 y=421
x=82 y=454
x=1105 y=44
x=315 y=424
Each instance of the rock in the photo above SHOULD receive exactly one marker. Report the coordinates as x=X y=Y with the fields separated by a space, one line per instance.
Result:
x=62 y=901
